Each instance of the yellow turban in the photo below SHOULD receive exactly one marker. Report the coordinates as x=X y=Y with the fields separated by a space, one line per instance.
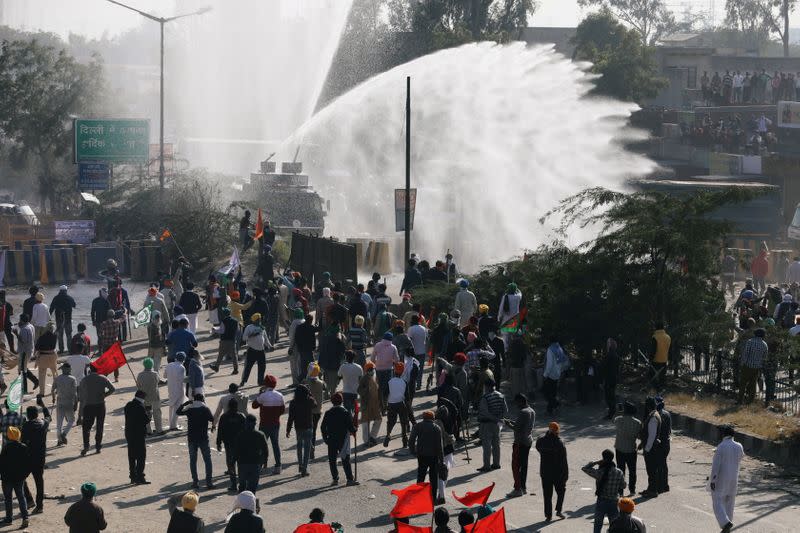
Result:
x=13 y=433
x=483 y=308
x=190 y=500
x=314 y=372
x=255 y=318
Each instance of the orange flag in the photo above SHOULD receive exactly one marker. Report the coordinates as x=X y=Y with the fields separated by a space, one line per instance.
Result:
x=259 y=226
x=166 y=234
x=494 y=523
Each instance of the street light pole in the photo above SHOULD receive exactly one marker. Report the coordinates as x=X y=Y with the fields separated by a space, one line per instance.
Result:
x=162 y=21
x=408 y=174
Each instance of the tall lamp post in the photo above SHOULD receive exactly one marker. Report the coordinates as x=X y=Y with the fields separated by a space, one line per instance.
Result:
x=162 y=21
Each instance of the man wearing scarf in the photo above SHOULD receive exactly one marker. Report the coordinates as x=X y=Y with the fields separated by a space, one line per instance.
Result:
x=246 y=519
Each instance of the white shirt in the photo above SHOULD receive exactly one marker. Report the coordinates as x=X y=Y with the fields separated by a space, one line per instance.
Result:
x=176 y=375
x=397 y=390
x=78 y=363
x=350 y=373
x=794 y=330
x=255 y=337
x=725 y=466
x=419 y=336
x=738 y=80
x=40 y=315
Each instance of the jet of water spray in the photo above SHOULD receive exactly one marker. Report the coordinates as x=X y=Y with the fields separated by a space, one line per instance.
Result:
x=500 y=134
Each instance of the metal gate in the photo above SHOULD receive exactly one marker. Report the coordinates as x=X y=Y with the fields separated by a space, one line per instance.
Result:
x=314 y=255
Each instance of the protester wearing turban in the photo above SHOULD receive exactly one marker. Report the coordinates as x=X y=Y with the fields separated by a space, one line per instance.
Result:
x=148 y=381
x=397 y=405
x=337 y=426
x=85 y=515
x=318 y=390
x=185 y=519
x=553 y=469
x=15 y=465
x=175 y=374
x=371 y=415
x=426 y=442
x=626 y=521
x=465 y=302
x=137 y=425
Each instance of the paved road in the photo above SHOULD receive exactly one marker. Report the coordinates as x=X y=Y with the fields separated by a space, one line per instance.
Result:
x=765 y=504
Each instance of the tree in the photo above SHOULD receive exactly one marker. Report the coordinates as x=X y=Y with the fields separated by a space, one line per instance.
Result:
x=41 y=89
x=761 y=18
x=651 y=19
x=625 y=66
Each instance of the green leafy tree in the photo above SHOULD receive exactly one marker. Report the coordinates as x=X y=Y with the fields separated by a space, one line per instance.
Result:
x=761 y=18
x=651 y=19
x=626 y=68
x=41 y=89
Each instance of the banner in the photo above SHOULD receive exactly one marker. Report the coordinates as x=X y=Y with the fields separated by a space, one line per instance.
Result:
x=112 y=359
x=400 y=208
x=233 y=263
x=76 y=231
x=143 y=316
x=14 y=397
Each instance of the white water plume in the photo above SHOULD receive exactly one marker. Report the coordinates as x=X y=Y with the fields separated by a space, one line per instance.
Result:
x=500 y=134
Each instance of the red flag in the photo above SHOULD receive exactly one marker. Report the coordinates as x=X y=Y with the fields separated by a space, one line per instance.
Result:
x=259 y=226
x=355 y=414
x=475 y=498
x=405 y=528
x=412 y=500
x=494 y=523
x=112 y=359
x=314 y=528
x=166 y=234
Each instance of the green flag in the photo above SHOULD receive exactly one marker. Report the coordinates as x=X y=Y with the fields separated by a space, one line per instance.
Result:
x=14 y=398
x=142 y=318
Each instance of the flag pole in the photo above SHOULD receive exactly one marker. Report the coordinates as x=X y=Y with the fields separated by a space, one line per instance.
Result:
x=172 y=236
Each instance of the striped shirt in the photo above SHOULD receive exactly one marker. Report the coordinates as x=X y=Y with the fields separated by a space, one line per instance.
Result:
x=492 y=407
x=754 y=352
x=358 y=338
x=628 y=428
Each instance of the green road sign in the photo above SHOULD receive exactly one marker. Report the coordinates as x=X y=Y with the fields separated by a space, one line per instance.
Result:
x=113 y=140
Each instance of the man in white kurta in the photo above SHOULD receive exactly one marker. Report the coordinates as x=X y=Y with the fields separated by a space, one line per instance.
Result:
x=465 y=302
x=724 y=480
x=176 y=378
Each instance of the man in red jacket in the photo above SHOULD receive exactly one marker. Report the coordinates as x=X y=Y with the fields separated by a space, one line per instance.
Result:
x=271 y=406
x=760 y=268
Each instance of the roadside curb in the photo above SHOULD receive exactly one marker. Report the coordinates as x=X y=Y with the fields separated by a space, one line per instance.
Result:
x=767 y=450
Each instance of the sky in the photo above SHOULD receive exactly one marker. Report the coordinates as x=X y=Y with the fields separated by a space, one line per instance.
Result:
x=93 y=18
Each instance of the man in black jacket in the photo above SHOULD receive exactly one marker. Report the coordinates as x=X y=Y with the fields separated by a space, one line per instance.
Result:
x=553 y=469
x=100 y=307
x=231 y=424
x=199 y=416
x=228 y=332
x=427 y=444
x=34 y=436
x=337 y=425
x=251 y=454
x=6 y=312
x=136 y=423
x=305 y=342
x=62 y=305
x=191 y=305
x=15 y=465
x=27 y=305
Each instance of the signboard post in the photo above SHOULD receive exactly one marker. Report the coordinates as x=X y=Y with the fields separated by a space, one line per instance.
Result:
x=400 y=209
x=111 y=140
x=93 y=176
x=76 y=231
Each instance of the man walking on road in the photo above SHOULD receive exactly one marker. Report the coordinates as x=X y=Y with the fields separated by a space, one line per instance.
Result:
x=175 y=373
x=753 y=354
x=523 y=427
x=271 y=406
x=609 y=483
x=34 y=436
x=492 y=409
x=65 y=398
x=337 y=426
x=199 y=417
x=94 y=390
x=137 y=422
x=628 y=429
x=427 y=445
x=724 y=479
x=230 y=428
x=148 y=383
x=553 y=469
x=251 y=455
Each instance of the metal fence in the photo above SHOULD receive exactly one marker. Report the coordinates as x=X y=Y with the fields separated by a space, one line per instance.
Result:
x=719 y=371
